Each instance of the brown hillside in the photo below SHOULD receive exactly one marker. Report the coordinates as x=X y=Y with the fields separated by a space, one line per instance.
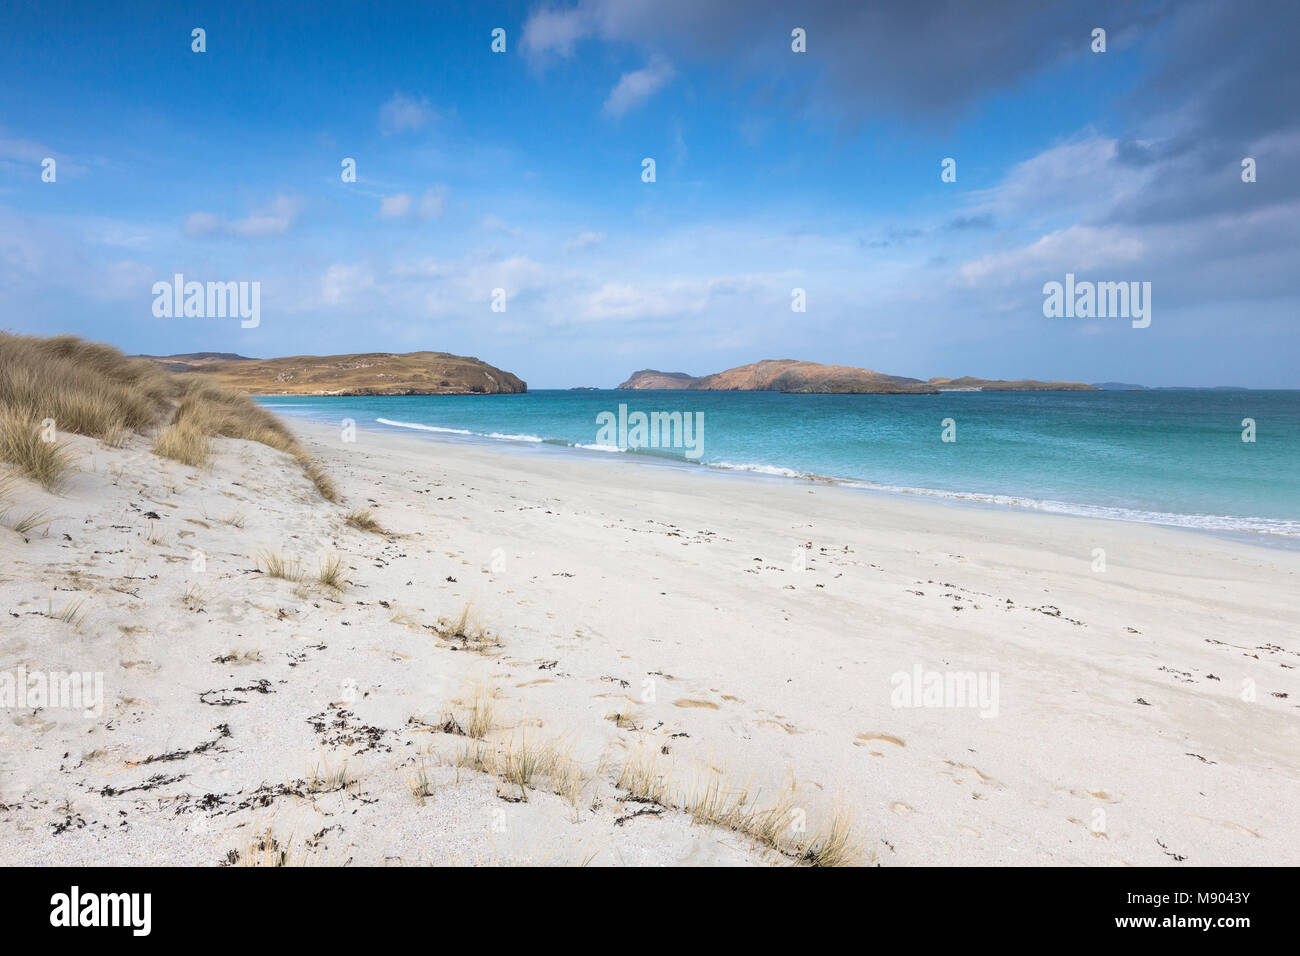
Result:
x=366 y=373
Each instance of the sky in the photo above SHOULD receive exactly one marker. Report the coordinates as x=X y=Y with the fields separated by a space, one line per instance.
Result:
x=775 y=170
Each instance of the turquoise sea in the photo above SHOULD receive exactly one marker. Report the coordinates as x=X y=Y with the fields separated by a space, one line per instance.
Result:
x=1169 y=457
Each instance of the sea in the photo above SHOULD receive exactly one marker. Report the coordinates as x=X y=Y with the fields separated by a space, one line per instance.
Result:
x=1210 y=459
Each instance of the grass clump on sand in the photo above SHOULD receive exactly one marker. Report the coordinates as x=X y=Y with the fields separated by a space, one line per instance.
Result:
x=363 y=519
x=275 y=564
x=330 y=572
x=713 y=801
x=183 y=443
x=46 y=463
x=468 y=630
x=94 y=390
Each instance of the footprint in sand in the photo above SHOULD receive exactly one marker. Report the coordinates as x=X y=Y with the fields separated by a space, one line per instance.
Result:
x=862 y=740
x=688 y=702
x=898 y=806
x=957 y=777
x=1227 y=825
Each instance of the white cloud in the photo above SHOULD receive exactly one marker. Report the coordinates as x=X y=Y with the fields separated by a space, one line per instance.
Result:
x=395 y=207
x=403 y=113
x=495 y=224
x=1075 y=249
x=342 y=283
x=274 y=219
x=585 y=240
x=636 y=87
x=401 y=205
x=199 y=224
x=554 y=31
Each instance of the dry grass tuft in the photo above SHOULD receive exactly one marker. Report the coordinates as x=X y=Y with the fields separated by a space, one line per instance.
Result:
x=22 y=523
x=330 y=572
x=70 y=613
x=27 y=522
x=267 y=848
x=421 y=785
x=528 y=765
x=325 y=780
x=836 y=843
x=364 y=520
x=776 y=824
x=195 y=597
x=183 y=443
x=716 y=804
x=46 y=463
x=276 y=565
x=479 y=719
x=643 y=780
x=468 y=630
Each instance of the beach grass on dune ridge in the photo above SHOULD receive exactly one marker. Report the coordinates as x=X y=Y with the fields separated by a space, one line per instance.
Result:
x=88 y=389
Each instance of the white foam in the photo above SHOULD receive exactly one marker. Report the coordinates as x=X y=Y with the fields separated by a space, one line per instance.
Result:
x=761 y=469
x=1202 y=522
x=424 y=428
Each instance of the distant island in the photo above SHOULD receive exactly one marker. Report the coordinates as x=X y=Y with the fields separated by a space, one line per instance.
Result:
x=789 y=375
x=1126 y=387
x=365 y=373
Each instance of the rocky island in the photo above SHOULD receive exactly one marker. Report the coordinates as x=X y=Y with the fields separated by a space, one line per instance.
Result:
x=790 y=375
x=365 y=373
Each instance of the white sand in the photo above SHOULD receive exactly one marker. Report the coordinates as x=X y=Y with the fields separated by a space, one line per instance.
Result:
x=671 y=596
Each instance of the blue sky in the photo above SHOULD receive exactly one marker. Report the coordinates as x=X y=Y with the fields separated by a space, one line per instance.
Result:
x=775 y=170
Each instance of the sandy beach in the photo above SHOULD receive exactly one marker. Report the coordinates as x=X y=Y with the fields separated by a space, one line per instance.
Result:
x=964 y=685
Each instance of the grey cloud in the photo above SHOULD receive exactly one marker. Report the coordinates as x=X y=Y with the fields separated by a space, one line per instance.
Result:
x=933 y=58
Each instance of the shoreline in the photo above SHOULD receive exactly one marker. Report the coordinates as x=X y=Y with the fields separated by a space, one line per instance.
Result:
x=1284 y=540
